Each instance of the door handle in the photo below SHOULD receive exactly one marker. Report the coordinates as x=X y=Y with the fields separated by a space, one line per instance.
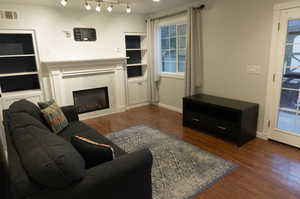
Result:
x=222 y=128
x=195 y=120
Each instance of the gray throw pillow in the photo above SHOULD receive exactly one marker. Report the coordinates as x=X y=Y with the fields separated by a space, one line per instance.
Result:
x=54 y=116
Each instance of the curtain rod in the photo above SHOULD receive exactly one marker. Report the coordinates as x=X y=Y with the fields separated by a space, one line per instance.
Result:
x=177 y=13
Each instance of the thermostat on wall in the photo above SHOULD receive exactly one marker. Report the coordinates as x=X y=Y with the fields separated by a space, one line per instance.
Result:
x=85 y=34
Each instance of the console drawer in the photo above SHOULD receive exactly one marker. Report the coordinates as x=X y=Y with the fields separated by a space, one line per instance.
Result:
x=211 y=125
x=225 y=129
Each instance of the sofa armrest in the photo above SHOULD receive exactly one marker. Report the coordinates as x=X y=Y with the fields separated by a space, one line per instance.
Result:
x=128 y=176
x=70 y=113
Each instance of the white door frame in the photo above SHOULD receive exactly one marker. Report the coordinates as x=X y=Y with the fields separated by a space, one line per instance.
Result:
x=269 y=125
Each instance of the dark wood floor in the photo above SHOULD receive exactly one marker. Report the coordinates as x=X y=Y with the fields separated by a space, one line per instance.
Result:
x=267 y=169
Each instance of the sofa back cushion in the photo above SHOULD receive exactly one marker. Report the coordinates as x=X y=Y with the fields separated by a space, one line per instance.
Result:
x=22 y=119
x=28 y=107
x=48 y=159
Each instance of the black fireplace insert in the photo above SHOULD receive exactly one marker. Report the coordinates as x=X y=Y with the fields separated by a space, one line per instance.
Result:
x=90 y=100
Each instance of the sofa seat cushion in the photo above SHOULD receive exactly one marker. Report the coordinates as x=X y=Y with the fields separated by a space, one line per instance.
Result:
x=28 y=107
x=80 y=129
x=93 y=153
x=48 y=159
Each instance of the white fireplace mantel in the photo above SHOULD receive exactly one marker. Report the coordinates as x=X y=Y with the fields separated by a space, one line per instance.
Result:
x=88 y=62
x=68 y=76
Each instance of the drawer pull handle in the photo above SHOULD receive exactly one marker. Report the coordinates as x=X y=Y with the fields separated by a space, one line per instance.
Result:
x=222 y=128
x=196 y=120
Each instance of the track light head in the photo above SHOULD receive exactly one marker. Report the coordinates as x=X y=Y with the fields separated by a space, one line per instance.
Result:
x=98 y=7
x=110 y=8
x=128 y=9
x=87 y=6
x=64 y=2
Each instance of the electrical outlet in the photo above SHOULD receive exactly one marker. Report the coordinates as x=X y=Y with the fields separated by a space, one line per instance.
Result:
x=253 y=69
x=67 y=34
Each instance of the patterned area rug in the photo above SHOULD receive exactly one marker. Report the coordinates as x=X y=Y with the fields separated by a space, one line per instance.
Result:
x=180 y=170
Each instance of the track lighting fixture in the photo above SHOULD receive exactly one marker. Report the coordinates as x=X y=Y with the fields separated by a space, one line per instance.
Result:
x=109 y=4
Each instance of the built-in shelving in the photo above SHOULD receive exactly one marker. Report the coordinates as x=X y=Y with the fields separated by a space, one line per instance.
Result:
x=136 y=49
x=25 y=55
x=32 y=92
x=19 y=71
x=138 y=64
x=137 y=69
x=18 y=74
x=19 y=66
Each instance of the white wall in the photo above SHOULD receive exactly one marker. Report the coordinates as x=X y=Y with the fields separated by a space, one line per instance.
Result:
x=50 y=23
x=236 y=33
x=171 y=91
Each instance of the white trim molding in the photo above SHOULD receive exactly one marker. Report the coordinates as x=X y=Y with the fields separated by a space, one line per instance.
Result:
x=89 y=62
x=137 y=105
x=287 y=5
x=172 y=75
x=170 y=107
x=68 y=76
x=270 y=104
x=261 y=135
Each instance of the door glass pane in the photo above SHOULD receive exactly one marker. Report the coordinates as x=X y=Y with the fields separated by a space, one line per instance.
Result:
x=290 y=82
x=289 y=99
x=292 y=55
x=289 y=113
x=287 y=121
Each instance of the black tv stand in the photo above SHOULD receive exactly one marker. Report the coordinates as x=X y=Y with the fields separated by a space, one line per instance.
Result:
x=230 y=119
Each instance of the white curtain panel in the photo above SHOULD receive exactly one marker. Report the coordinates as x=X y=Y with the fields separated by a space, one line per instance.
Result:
x=154 y=58
x=193 y=72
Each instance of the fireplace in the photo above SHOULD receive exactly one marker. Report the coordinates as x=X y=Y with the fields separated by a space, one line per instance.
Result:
x=90 y=100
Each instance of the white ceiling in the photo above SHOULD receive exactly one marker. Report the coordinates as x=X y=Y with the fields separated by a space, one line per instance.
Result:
x=138 y=6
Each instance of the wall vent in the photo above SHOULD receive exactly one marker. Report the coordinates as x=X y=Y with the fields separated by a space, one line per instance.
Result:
x=8 y=15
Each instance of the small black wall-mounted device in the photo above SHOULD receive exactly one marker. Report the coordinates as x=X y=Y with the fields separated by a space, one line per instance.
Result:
x=85 y=34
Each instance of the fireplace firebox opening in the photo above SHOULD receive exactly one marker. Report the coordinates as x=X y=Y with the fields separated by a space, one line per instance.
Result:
x=90 y=100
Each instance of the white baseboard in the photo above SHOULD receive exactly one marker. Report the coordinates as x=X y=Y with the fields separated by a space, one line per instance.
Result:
x=172 y=108
x=137 y=105
x=261 y=135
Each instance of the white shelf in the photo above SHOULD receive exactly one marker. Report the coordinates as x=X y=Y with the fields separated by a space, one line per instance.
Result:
x=31 y=92
x=25 y=55
x=136 y=49
x=18 y=74
x=128 y=65
x=142 y=34
x=137 y=79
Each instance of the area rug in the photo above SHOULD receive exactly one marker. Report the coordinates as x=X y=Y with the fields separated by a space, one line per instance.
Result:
x=180 y=170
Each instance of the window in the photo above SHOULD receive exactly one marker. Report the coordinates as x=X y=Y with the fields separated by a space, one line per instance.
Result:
x=173 y=48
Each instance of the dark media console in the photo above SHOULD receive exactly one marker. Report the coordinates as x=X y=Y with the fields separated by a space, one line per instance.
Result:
x=230 y=119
